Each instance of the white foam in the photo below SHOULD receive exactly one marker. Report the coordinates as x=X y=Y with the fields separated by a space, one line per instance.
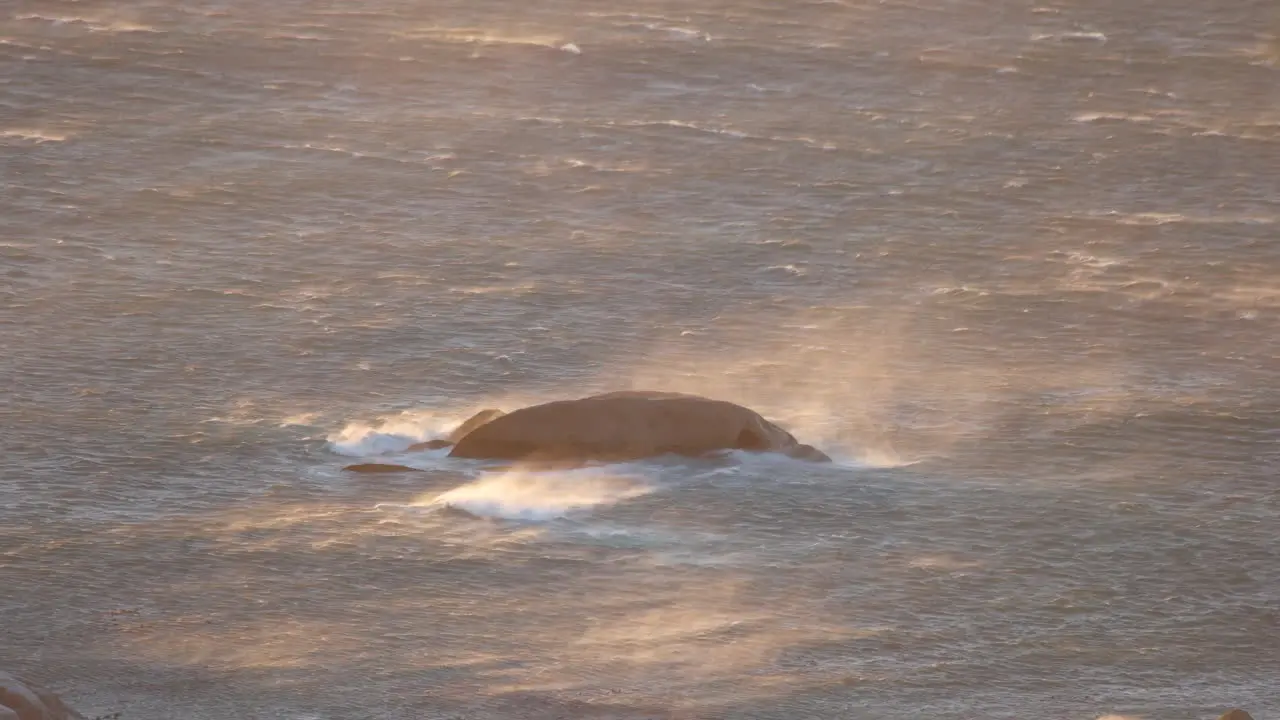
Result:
x=37 y=135
x=481 y=36
x=540 y=496
x=302 y=419
x=680 y=33
x=1093 y=117
x=1071 y=36
x=738 y=134
x=941 y=562
x=1091 y=261
x=390 y=434
x=1152 y=218
x=93 y=24
x=1158 y=218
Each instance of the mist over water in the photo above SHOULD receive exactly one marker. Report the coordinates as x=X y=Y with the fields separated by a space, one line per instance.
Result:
x=1014 y=265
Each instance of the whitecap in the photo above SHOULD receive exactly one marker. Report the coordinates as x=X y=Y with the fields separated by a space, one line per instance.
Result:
x=680 y=33
x=1092 y=261
x=691 y=126
x=941 y=562
x=300 y=419
x=37 y=135
x=93 y=24
x=1093 y=117
x=390 y=434
x=1091 y=36
x=480 y=36
x=1151 y=218
x=540 y=496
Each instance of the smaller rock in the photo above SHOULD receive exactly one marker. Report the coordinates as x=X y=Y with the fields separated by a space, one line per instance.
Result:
x=1235 y=714
x=380 y=468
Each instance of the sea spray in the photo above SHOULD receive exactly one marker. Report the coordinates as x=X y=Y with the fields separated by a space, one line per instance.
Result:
x=540 y=496
x=392 y=433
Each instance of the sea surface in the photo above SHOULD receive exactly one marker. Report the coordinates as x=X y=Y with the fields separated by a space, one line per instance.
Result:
x=1014 y=264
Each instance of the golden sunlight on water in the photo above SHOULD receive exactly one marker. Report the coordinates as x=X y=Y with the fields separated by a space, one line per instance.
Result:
x=1012 y=266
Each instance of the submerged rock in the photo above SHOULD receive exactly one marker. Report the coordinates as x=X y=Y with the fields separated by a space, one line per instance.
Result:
x=21 y=699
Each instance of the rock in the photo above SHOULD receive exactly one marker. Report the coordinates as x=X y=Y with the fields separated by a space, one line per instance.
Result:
x=380 y=468
x=1235 y=714
x=475 y=421
x=627 y=426
x=21 y=699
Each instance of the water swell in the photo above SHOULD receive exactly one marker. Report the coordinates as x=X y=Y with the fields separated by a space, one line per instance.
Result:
x=540 y=496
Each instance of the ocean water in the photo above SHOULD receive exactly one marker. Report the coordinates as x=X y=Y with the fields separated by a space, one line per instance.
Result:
x=1016 y=265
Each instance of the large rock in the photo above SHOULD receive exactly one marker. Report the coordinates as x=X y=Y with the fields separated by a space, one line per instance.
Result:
x=1235 y=714
x=627 y=426
x=21 y=699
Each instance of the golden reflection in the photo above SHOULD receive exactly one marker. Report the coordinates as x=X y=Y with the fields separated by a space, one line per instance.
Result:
x=649 y=633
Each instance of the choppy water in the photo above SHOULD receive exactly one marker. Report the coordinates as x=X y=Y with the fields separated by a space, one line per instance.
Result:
x=1015 y=264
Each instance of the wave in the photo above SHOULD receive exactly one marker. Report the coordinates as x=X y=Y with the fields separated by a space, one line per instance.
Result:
x=1114 y=116
x=678 y=32
x=1175 y=122
x=391 y=434
x=36 y=135
x=480 y=36
x=93 y=24
x=540 y=496
x=1071 y=36
x=942 y=562
x=1165 y=218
